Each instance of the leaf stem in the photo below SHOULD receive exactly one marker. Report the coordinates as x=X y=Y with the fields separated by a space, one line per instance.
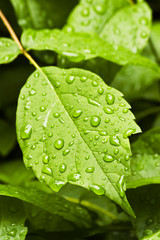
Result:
x=15 y=38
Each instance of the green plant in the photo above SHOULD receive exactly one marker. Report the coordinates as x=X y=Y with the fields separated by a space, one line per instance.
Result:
x=81 y=179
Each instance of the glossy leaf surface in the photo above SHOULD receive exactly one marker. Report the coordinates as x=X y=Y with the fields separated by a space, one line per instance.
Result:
x=145 y=162
x=78 y=47
x=12 y=219
x=57 y=117
x=9 y=50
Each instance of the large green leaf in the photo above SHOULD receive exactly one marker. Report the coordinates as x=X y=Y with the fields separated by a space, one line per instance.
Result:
x=64 y=111
x=145 y=162
x=51 y=202
x=155 y=35
x=7 y=138
x=145 y=202
x=12 y=219
x=78 y=47
x=9 y=50
x=38 y=14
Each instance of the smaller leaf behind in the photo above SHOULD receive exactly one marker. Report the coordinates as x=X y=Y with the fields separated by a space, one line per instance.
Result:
x=145 y=162
x=12 y=219
x=9 y=50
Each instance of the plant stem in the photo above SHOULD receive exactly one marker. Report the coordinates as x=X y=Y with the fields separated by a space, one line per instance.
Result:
x=15 y=38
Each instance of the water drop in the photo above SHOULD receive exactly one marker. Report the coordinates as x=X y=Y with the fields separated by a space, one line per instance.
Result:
x=36 y=75
x=50 y=134
x=108 y=110
x=94 y=83
x=74 y=57
x=12 y=232
x=103 y=133
x=90 y=169
x=77 y=113
x=107 y=120
x=108 y=158
x=61 y=120
x=97 y=189
x=45 y=159
x=100 y=8
x=59 y=143
x=34 y=114
x=125 y=110
x=85 y=12
x=100 y=90
x=56 y=185
x=128 y=132
x=42 y=108
x=66 y=151
x=74 y=177
x=95 y=121
x=114 y=140
x=33 y=147
x=121 y=186
x=91 y=101
x=116 y=151
x=110 y=98
x=62 y=167
x=71 y=143
x=70 y=79
x=26 y=131
x=83 y=79
x=87 y=157
x=32 y=92
x=47 y=170
x=143 y=21
x=57 y=84
x=56 y=115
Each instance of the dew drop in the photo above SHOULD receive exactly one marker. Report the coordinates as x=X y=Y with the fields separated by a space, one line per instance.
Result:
x=95 y=121
x=74 y=177
x=100 y=91
x=128 y=133
x=121 y=186
x=66 y=151
x=42 y=108
x=77 y=113
x=91 y=101
x=85 y=12
x=12 y=232
x=125 y=110
x=97 y=189
x=62 y=167
x=50 y=134
x=71 y=143
x=100 y=9
x=74 y=57
x=56 y=185
x=56 y=115
x=87 y=157
x=108 y=110
x=90 y=169
x=57 y=84
x=32 y=92
x=34 y=114
x=103 y=133
x=59 y=143
x=70 y=79
x=94 y=83
x=26 y=131
x=108 y=158
x=47 y=170
x=114 y=140
x=45 y=159
x=83 y=79
x=116 y=151
x=110 y=98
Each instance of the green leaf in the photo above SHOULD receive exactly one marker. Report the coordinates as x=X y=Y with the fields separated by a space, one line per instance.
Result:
x=51 y=202
x=7 y=138
x=133 y=81
x=155 y=35
x=145 y=162
x=38 y=14
x=154 y=236
x=15 y=173
x=9 y=50
x=87 y=14
x=145 y=202
x=78 y=47
x=129 y=27
x=12 y=219
x=64 y=111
